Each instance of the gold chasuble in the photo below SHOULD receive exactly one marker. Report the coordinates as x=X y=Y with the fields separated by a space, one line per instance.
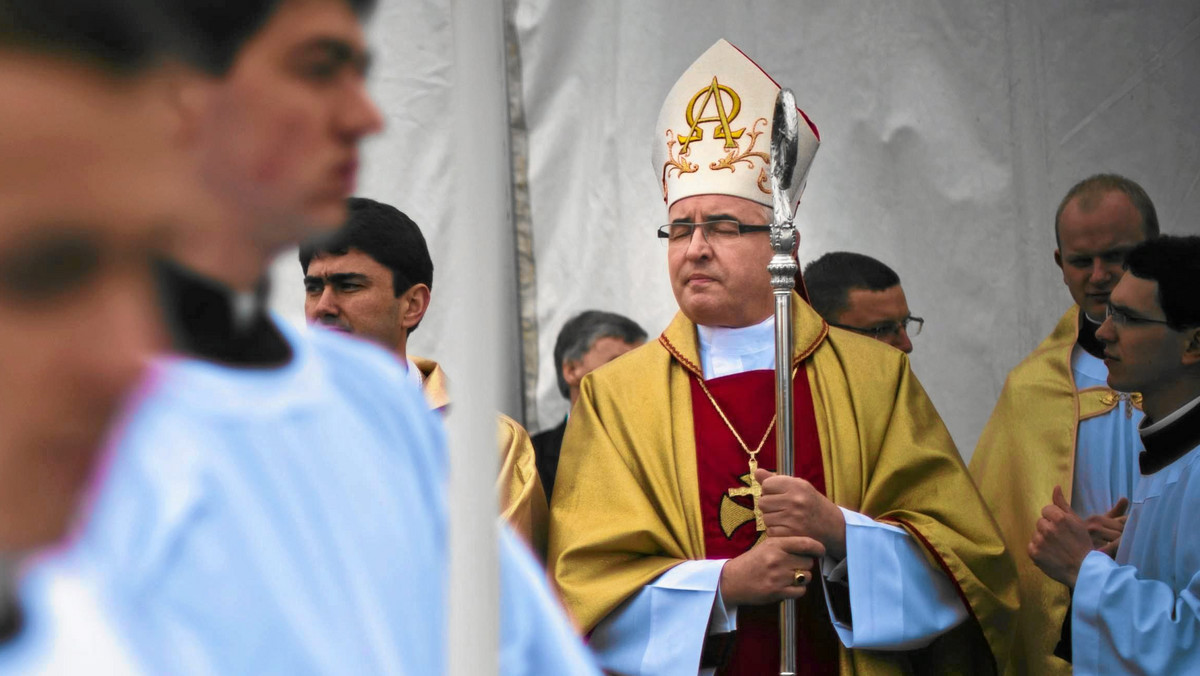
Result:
x=1026 y=449
x=627 y=508
x=522 y=498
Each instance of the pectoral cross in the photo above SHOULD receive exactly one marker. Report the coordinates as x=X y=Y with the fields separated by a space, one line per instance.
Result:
x=754 y=490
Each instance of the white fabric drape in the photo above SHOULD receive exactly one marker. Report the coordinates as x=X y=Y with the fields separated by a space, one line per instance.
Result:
x=949 y=133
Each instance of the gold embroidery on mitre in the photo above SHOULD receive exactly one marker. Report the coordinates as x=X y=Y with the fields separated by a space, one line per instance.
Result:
x=712 y=94
x=679 y=162
x=738 y=155
x=716 y=96
x=763 y=181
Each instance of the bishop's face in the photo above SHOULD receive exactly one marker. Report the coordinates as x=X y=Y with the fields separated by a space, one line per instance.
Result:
x=723 y=282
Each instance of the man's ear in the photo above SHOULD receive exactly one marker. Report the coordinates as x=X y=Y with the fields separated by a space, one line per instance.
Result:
x=190 y=98
x=1058 y=258
x=572 y=372
x=418 y=297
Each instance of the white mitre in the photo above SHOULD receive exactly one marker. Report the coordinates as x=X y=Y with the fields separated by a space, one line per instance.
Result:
x=714 y=130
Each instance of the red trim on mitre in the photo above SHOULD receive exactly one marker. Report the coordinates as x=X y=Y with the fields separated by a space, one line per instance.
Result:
x=809 y=122
x=801 y=289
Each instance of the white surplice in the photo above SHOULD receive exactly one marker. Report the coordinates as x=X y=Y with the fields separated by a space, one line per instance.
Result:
x=1106 y=447
x=1140 y=614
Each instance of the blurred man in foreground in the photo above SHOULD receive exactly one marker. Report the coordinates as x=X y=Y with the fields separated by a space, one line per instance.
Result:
x=275 y=504
x=88 y=180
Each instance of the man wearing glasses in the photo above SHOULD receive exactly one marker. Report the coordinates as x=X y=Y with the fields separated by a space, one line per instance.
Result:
x=1058 y=421
x=672 y=543
x=1140 y=613
x=858 y=293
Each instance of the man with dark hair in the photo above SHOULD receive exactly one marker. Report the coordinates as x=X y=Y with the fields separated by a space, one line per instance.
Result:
x=379 y=250
x=1058 y=421
x=860 y=294
x=586 y=342
x=88 y=176
x=373 y=278
x=275 y=502
x=1140 y=613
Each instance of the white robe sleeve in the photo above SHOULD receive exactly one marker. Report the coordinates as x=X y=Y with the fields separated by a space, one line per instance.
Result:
x=1122 y=624
x=898 y=599
x=660 y=630
x=535 y=636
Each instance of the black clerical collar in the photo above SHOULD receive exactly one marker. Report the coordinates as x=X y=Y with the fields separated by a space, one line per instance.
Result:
x=11 y=619
x=1087 y=336
x=1170 y=439
x=207 y=320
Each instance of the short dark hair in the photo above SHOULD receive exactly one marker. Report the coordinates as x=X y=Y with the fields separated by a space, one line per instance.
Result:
x=1091 y=189
x=384 y=233
x=1173 y=262
x=119 y=36
x=219 y=29
x=832 y=277
x=582 y=331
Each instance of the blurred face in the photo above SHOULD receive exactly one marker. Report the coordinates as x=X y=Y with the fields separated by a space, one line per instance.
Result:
x=354 y=293
x=1093 y=246
x=88 y=179
x=1142 y=354
x=280 y=132
x=883 y=312
x=724 y=282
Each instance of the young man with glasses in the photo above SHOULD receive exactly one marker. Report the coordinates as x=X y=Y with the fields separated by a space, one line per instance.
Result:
x=1059 y=421
x=858 y=293
x=671 y=541
x=1137 y=603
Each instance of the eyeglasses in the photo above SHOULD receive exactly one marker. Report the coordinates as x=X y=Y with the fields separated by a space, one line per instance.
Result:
x=890 y=329
x=1123 y=318
x=714 y=232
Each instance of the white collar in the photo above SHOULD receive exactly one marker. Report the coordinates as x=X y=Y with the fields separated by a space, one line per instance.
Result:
x=1167 y=420
x=726 y=351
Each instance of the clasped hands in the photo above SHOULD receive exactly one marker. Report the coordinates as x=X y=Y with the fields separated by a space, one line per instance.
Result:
x=802 y=526
x=1062 y=539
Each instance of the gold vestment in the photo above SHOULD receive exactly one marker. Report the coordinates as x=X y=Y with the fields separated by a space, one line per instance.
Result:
x=522 y=498
x=626 y=504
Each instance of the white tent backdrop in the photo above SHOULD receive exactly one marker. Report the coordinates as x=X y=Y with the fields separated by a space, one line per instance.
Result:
x=949 y=133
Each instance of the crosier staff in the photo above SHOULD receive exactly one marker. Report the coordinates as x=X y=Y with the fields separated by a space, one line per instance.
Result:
x=787 y=181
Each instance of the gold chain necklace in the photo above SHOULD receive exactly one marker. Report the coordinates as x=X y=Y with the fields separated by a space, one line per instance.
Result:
x=754 y=490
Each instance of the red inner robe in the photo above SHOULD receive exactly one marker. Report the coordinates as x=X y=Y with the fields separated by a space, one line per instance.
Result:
x=748 y=401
